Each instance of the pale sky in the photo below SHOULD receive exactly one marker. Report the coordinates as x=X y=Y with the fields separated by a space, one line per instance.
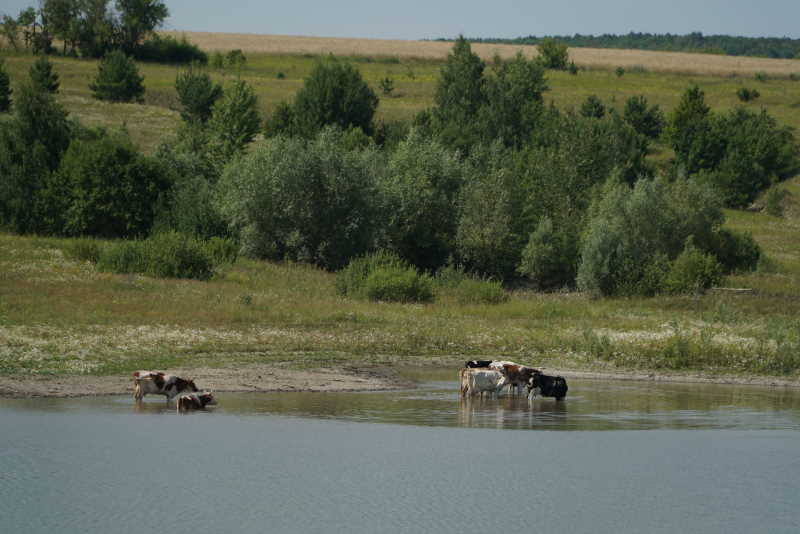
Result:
x=415 y=19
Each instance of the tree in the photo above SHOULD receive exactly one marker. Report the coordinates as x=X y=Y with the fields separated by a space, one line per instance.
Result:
x=5 y=89
x=553 y=54
x=10 y=30
x=138 y=18
x=459 y=96
x=94 y=30
x=234 y=121
x=117 y=79
x=334 y=94
x=689 y=132
x=646 y=121
x=42 y=74
x=197 y=94
x=61 y=18
x=27 y=20
x=593 y=108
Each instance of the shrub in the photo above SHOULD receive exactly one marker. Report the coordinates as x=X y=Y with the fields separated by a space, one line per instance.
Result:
x=217 y=61
x=593 y=108
x=773 y=202
x=41 y=73
x=551 y=256
x=166 y=255
x=746 y=95
x=693 y=272
x=5 y=89
x=310 y=201
x=761 y=77
x=111 y=189
x=620 y=72
x=553 y=54
x=235 y=58
x=736 y=251
x=646 y=121
x=573 y=68
x=197 y=94
x=386 y=86
x=222 y=250
x=350 y=280
x=395 y=284
x=480 y=291
x=117 y=79
x=168 y=49
x=84 y=249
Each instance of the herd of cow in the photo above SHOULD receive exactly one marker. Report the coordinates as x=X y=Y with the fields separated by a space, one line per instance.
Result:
x=477 y=377
x=491 y=376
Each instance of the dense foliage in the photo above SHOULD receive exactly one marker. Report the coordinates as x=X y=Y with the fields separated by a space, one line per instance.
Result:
x=117 y=79
x=5 y=89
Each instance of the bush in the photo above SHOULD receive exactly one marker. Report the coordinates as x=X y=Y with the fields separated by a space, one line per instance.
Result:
x=5 y=89
x=235 y=59
x=620 y=72
x=350 y=280
x=693 y=272
x=311 y=201
x=197 y=94
x=551 y=256
x=553 y=54
x=84 y=249
x=167 y=255
x=480 y=291
x=386 y=86
x=234 y=121
x=736 y=251
x=111 y=189
x=395 y=284
x=761 y=77
x=41 y=73
x=168 y=49
x=117 y=79
x=746 y=95
x=773 y=203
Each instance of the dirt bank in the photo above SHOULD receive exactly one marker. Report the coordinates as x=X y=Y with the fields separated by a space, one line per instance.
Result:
x=251 y=378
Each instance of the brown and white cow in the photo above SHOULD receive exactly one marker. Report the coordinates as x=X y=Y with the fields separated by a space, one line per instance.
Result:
x=517 y=376
x=195 y=401
x=145 y=382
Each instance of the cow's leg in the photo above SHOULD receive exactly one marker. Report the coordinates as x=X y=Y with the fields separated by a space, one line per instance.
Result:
x=138 y=394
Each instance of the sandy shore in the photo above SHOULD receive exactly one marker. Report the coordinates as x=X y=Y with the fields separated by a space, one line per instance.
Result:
x=247 y=379
x=264 y=378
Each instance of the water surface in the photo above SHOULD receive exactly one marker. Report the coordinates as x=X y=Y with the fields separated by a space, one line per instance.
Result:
x=614 y=456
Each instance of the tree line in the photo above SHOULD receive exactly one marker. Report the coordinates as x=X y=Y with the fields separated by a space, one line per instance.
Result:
x=92 y=28
x=772 y=47
x=489 y=181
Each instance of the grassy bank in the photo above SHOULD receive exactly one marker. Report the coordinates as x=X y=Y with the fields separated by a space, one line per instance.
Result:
x=60 y=316
x=277 y=76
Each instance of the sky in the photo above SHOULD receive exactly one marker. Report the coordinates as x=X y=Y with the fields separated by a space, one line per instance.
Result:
x=430 y=19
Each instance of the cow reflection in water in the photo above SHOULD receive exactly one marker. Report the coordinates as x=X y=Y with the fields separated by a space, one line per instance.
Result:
x=509 y=412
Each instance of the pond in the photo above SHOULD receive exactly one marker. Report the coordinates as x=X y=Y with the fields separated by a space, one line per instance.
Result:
x=612 y=457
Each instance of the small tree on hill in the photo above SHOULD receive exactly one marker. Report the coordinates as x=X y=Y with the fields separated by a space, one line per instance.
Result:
x=42 y=74
x=117 y=79
x=593 y=108
x=646 y=121
x=553 y=54
x=334 y=94
x=234 y=121
x=197 y=94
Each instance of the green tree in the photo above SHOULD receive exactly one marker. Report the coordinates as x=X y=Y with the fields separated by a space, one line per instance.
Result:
x=512 y=102
x=459 y=96
x=593 y=108
x=27 y=21
x=10 y=31
x=62 y=20
x=42 y=74
x=112 y=189
x=334 y=94
x=646 y=121
x=117 y=79
x=553 y=54
x=234 y=121
x=689 y=132
x=5 y=89
x=197 y=94
x=137 y=19
x=550 y=257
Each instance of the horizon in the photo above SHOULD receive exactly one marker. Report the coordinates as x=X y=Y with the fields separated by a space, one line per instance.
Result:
x=504 y=19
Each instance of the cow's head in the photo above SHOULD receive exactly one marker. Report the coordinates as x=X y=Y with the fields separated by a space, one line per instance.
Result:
x=190 y=385
x=207 y=398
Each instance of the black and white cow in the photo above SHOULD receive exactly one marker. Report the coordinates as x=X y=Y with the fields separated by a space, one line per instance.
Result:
x=195 y=401
x=547 y=386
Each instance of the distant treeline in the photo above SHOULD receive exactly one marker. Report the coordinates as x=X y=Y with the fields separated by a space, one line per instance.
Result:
x=773 y=47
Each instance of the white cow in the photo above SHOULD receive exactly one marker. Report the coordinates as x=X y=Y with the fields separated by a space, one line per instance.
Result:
x=480 y=381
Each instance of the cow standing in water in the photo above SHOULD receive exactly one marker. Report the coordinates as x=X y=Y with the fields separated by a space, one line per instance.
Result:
x=195 y=401
x=158 y=383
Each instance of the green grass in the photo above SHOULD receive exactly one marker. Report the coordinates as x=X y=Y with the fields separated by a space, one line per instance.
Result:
x=62 y=316
x=414 y=80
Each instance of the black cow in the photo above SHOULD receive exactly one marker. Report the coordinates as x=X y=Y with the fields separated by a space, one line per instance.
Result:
x=547 y=386
x=474 y=364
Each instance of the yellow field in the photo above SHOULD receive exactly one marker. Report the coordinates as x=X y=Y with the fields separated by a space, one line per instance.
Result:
x=675 y=62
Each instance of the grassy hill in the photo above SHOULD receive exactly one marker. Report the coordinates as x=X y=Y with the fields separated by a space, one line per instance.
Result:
x=58 y=315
